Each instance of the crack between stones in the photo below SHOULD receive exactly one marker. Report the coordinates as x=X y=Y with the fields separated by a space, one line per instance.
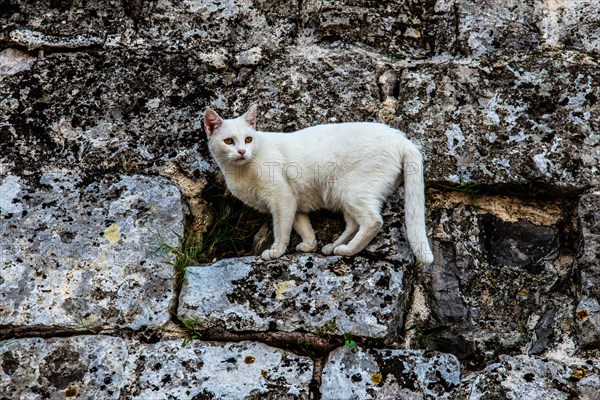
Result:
x=315 y=347
x=8 y=332
x=306 y=344
x=301 y=343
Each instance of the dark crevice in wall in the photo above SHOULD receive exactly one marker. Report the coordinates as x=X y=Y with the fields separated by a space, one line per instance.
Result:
x=533 y=190
x=8 y=332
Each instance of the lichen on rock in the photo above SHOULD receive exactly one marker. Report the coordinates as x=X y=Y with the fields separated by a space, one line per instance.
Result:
x=385 y=374
x=84 y=254
x=113 y=367
x=298 y=293
x=102 y=152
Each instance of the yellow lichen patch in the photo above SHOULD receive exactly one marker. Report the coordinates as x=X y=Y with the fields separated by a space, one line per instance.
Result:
x=582 y=314
x=282 y=288
x=523 y=293
x=490 y=277
x=249 y=359
x=376 y=378
x=71 y=392
x=112 y=233
x=578 y=373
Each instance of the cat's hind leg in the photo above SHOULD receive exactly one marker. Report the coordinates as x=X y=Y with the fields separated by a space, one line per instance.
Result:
x=351 y=228
x=369 y=223
x=304 y=228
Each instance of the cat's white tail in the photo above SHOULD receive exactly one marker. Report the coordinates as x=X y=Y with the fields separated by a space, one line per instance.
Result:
x=414 y=202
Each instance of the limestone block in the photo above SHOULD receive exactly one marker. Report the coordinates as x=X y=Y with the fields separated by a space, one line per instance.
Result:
x=245 y=370
x=91 y=367
x=105 y=367
x=389 y=374
x=309 y=293
x=518 y=24
x=85 y=255
x=526 y=377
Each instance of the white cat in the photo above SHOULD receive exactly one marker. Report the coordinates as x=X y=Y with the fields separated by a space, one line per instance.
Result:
x=348 y=167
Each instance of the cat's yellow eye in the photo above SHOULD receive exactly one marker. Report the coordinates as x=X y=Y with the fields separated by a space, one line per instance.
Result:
x=248 y=139
x=228 y=141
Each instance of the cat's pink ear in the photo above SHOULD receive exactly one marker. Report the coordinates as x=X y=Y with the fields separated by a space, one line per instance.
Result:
x=211 y=121
x=250 y=116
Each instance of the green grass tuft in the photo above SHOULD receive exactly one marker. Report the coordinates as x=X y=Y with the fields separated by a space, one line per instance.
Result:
x=428 y=341
x=471 y=188
x=191 y=333
x=189 y=252
x=229 y=235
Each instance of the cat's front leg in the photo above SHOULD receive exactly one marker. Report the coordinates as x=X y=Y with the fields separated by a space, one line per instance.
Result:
x=304 y=228
x=283 y=210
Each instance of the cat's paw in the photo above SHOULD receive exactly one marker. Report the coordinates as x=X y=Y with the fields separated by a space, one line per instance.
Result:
x=328 y=249
x=307 y=247
x=344 y=250
x=271 y=254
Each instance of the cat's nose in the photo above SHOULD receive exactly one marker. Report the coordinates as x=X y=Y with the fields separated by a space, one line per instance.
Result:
x=242 y=151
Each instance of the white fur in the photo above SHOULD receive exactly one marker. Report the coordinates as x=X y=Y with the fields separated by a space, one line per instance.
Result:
x=349 y=168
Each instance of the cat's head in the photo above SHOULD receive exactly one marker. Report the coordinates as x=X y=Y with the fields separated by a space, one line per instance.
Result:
x=231 y=141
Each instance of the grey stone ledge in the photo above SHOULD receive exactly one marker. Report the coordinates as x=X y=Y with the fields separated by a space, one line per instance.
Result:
x=309 y=293
x=105 y=367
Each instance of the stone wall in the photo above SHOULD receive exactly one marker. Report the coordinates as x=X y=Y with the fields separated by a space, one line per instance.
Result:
x=103 y=163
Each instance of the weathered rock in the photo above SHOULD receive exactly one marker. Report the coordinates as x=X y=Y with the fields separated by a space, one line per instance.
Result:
x=59 y=368
x=538 y=110
x=14 y=61
x=85 y=254
x=498 y=283
x=390 y=243
x=502 y=96
x=322 y=295
x=389 y=374
x=112 y=368
x=238 y=25
x=245 y=370
x=537 y=107
x=513 y=118
x=525 y=25
x=587 y=313
x=398 y=29
x=524 y=377
x=103 y=112
x=35 y=40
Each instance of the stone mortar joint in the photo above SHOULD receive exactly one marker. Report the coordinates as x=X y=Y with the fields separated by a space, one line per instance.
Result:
x=284 y=340
x=10 y=332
